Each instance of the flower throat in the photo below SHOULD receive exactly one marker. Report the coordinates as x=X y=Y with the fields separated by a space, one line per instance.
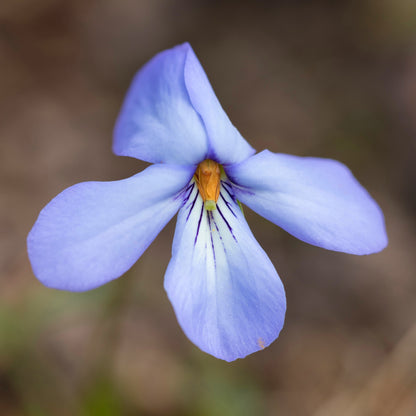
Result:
x=207 y=177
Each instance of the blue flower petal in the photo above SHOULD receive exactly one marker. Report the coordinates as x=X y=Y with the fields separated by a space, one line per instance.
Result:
x=171 y=115
x=226 y=144
x=226 y=293
x=157 y=122
x=93 y=232
x=317 y=200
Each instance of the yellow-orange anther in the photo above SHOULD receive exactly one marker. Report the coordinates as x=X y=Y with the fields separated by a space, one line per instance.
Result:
x=207 y=177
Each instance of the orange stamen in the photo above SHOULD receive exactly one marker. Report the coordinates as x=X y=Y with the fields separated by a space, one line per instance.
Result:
x=207 y=177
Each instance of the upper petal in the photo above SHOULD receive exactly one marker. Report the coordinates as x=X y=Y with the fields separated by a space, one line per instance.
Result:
x=316 y=200
x=226 y=293
x=226 y=145
x=171 y=115
x=93 y=232
x=157 y=122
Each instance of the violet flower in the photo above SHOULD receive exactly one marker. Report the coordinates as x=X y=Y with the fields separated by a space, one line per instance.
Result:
x=226 y=294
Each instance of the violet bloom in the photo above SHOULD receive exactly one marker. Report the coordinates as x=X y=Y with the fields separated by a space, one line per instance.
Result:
x=226 y=294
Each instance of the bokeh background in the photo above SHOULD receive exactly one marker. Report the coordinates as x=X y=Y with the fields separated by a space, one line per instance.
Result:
x=323 y=78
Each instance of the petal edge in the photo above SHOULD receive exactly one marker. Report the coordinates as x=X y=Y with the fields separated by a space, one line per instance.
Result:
x=226 y=145
x=157 y=122
x=93 y=232
x=225 y=291
x=317 y=200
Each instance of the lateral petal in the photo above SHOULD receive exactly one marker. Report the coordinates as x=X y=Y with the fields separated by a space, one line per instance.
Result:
x=157 y=122
x=226 y=293
x=93 y=232
x=317 y=200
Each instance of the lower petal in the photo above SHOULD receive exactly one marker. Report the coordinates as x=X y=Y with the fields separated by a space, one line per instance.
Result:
x=317 y=200
x=93 y=232
x=226 y=293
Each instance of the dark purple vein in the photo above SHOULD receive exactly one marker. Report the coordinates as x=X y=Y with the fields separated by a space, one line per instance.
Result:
x=209 y=215
x=226 y=222
x=199 y=223
x=219 y=234
x=228 y=205
x=192 y=206
x=225 y=185
x=239 y=188
x=189 y=188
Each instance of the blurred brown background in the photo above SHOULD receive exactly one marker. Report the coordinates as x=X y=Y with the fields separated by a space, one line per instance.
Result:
x=323 y=78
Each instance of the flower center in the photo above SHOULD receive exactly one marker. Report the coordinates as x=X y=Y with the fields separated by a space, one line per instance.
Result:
x=207 y=177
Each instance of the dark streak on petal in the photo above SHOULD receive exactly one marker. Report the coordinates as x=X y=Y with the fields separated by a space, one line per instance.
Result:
x=219 y=234
x=226 y=185
x=210 y=217
x=199 y=223
x=244 y=190
x=226 y=222
x=228 y=205
x=192 y=205
x=189 y=188
x=191 y=185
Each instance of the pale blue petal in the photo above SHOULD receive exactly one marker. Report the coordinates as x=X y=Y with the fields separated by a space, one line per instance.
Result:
x=316 y=200
x=226 y=293
x=226 y=143
x=157 y=122
x=93 y=232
